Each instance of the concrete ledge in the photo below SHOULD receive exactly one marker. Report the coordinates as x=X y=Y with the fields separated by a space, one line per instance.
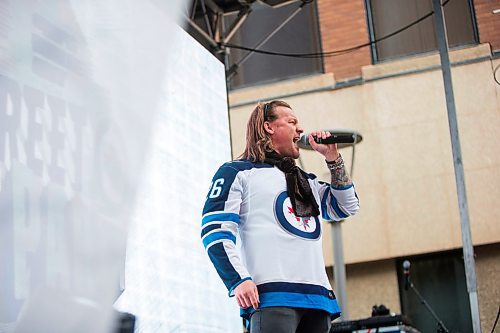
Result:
x=326 y=82
x=281 y=89
x=422 y=63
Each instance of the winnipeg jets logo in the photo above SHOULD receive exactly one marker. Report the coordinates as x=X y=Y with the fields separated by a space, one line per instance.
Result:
x=303 y=227
x=303 y=222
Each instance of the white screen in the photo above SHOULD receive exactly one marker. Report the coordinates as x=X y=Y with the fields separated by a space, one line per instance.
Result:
x=110 y=116
x=170 y=284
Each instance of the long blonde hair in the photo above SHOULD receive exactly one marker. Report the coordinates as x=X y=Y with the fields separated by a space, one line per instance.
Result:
x=258 y=140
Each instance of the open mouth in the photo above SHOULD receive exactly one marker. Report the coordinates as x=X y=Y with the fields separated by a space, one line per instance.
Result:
x=296 y=139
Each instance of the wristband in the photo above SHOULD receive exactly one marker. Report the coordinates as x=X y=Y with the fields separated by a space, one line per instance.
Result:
x=335 y=165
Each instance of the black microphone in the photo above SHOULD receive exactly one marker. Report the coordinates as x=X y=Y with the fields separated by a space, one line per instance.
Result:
x=406 y=273
x=334 y=138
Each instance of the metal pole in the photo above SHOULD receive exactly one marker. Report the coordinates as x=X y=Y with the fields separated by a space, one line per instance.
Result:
x=242 y=16
x=468 y=249
x=338 y=256
x=428 y=307
x=339 y=269
x=207 y=21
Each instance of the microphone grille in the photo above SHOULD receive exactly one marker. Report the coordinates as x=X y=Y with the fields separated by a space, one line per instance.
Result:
x=304 y=142
x=406 y=264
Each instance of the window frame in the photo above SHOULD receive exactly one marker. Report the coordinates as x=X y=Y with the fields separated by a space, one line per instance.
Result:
x=316 y=27
x=373 y=47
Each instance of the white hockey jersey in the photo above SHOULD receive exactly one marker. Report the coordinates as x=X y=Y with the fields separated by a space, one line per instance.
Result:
x=280 y=252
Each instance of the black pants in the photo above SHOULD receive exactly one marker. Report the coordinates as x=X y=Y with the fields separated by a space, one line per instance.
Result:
x=290 y=320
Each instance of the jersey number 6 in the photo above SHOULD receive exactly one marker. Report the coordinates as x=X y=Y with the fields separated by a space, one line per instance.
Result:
x=216 y=188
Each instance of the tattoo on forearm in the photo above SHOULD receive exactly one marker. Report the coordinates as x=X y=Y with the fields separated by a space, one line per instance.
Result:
x=340 y=177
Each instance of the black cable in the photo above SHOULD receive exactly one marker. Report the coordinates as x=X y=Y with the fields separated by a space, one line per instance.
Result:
x=496 y=321
x=332 y=53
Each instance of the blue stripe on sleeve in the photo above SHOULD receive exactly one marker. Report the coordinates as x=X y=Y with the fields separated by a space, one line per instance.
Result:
x=218 y=236
x=221 y=218
x=209 y=228
x=324 y=210
x=226 y=271
x=336 y=208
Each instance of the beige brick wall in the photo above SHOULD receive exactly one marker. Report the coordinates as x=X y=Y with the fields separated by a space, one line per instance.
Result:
x=370 y=284
x=343 y=25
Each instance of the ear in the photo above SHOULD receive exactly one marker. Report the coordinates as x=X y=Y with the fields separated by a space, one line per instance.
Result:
x=268 y=127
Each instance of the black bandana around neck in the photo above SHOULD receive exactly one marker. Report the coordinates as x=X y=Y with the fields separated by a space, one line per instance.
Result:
x=303 y=202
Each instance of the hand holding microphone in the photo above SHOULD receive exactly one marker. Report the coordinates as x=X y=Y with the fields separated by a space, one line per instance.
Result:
x=333 y=138
x=321 y=142
x=341 y=138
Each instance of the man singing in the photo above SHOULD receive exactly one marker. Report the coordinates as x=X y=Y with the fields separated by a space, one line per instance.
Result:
x=278 y=273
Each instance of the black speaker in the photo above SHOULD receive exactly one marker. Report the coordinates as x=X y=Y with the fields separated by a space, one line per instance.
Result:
x=126 y=323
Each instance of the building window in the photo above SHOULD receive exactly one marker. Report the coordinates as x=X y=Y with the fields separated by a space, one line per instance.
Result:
x=440 y=279
x=387 y=16
x=300 y=35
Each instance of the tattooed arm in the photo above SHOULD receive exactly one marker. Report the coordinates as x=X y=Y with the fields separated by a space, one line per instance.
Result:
x=340 y=177
x=339 y=199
